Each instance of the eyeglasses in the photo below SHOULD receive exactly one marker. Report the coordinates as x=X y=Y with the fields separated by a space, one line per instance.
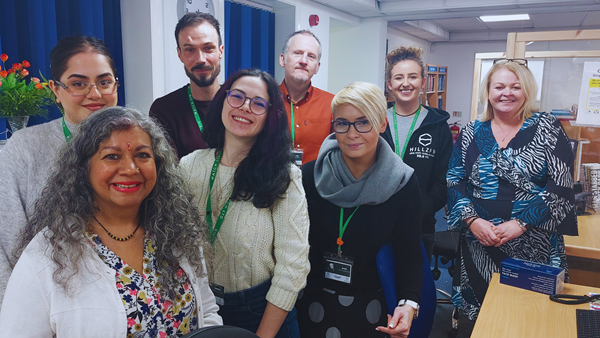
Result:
x=80 y=88
x=361 y=126
x=237 y=98
x=521 y=62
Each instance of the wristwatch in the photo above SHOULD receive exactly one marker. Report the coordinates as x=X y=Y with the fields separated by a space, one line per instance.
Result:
x=522 y=224
x=412 y=304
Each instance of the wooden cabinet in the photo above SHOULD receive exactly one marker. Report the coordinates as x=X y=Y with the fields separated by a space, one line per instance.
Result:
x=435 y=89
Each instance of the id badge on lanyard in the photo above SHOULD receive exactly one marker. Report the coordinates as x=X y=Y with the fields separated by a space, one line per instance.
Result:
x=297 y=153
x=338 y=267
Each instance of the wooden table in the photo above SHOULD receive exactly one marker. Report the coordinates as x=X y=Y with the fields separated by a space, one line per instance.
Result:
x=583 y=252
x=510 y=312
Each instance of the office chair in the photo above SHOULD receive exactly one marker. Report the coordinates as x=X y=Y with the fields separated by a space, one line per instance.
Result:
x=421 y=327
x=221 y=331
x=445 y=248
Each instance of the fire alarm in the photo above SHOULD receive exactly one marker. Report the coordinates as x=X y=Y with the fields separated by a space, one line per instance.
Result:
x=313 y=20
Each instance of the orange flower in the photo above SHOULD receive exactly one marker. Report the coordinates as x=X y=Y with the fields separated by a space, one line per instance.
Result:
x=3 y=57
x=10 y=71
x=3 y=73
x=26 y=63
x=17 y=66
x=35 y=79
x=39 y=86
x=24 y=72
x=339 y=241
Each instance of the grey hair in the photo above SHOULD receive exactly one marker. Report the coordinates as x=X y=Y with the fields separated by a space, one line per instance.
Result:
x=66 y=204
x=286 y=44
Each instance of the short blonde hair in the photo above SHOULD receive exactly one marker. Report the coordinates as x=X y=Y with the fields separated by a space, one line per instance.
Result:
x=528 y=86
x=367 y=98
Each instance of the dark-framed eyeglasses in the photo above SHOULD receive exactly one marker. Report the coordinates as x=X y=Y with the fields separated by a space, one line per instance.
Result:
x=80 y=88
x=237 y=98
x=342 y=126
x=521 y=62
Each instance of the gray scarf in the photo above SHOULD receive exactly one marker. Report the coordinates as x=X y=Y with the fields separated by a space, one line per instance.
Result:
x=335 y=183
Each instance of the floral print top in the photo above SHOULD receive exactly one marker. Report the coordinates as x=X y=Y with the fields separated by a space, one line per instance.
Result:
x=148 y=314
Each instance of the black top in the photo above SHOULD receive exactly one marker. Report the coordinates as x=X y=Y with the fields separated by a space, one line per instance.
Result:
x=174 y=112
x=428 y=153
x=395 y=221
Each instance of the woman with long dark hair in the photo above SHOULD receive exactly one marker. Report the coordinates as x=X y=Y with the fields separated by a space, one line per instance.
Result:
x=114 y=247
x=252 y=199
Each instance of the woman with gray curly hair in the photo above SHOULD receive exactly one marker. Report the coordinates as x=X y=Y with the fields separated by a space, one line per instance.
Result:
x=114 y=247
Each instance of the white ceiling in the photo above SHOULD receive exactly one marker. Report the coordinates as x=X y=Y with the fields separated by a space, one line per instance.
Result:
x=457 y=20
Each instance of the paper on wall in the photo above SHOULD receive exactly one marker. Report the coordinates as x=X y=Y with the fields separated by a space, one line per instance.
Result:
x=588 y=112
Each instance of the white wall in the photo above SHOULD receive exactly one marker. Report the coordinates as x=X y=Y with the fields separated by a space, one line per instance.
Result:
x=460 y=58
x=137 y=52
x=356 y=53
x=398 y=38
x=151 y=66
x=285 y=19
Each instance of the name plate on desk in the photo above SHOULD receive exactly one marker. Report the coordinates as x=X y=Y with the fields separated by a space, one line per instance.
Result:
x=532 y=276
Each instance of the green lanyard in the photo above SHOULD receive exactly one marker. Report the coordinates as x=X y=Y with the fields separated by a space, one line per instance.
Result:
x=410 y=131
x=293 y=125
x=193 y=104
x=212 y=232
x=343 y=227
x=66 y=130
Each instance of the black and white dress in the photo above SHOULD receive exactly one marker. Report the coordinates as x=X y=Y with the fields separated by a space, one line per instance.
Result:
x=531 y=180
x=329 y=308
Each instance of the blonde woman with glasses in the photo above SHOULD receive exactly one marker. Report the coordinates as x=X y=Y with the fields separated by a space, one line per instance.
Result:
x=360 y=196
x=510 y=182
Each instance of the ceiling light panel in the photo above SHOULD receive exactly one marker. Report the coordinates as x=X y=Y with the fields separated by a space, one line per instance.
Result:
x=498 y=18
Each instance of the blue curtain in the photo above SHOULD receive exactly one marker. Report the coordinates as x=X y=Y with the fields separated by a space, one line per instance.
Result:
x=249 y=38
x=29 y=29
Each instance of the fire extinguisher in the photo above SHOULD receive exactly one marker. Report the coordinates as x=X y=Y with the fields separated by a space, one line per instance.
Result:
x=455 y=129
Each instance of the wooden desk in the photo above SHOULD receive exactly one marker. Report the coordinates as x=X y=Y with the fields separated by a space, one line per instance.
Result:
x=509 y=312
x=583 y=252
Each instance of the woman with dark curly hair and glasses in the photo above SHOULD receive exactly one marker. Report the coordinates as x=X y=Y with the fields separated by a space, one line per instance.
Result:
x=114 y=247
x=510 y=185
x=252 y=199
x=83 y=80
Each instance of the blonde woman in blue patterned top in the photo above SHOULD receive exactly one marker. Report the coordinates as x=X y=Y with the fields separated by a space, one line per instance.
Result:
x=510 y=182
x=114 y=248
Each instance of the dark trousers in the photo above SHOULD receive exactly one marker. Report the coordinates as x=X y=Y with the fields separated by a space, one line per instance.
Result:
x=245 y=309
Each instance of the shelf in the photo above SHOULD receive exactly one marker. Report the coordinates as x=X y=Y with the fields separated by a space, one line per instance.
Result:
x=437 y=81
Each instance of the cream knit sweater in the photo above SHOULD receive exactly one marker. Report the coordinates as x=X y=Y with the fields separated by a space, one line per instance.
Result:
x=254 y=244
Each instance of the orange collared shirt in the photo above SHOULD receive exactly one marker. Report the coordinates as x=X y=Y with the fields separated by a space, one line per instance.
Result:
x=312 y=120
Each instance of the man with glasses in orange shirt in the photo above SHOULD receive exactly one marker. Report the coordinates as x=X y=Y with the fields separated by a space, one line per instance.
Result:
x=308 y=108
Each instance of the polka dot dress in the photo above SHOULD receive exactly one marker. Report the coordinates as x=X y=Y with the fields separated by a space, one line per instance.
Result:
x=327 y=314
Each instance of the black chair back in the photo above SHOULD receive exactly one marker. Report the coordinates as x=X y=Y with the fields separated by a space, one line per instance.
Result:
x=221 y=331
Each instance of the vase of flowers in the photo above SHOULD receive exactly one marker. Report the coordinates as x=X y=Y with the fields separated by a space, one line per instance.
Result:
x=19 y=98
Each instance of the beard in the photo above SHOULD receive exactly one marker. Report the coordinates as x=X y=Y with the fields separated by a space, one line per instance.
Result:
x=204 y=81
